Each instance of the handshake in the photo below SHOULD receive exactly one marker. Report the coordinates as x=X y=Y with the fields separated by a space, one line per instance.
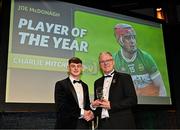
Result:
x=88 y=115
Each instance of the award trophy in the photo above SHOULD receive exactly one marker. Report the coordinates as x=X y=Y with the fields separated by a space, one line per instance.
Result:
x=99 y=93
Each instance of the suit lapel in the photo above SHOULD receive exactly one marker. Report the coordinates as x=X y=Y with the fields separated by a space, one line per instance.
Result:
x=84 y=94
x=114 y=80
x=113 y=84
x=72 y=90
x=101 y=83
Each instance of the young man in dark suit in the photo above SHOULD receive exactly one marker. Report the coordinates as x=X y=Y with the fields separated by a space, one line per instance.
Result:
x=72 y=99
x=118 y=97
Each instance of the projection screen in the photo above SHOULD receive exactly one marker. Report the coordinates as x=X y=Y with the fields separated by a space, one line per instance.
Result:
x=45 y=34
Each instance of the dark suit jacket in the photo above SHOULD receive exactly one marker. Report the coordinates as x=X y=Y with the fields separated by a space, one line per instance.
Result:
x=66 y=102
x=122 y=97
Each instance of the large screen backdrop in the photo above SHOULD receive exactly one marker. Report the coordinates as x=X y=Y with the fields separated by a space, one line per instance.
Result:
x=44 y=35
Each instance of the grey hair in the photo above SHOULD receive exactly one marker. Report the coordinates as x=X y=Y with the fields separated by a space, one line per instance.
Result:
x=105 y=52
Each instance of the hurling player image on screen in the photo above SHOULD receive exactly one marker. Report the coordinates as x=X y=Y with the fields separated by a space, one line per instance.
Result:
x=138 y=63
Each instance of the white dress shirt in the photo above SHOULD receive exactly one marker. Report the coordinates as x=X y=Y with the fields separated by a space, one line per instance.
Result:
x=80 y=95
x=106 y=87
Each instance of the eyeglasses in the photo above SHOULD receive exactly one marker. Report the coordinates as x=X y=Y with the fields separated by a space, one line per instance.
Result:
x=105 y=61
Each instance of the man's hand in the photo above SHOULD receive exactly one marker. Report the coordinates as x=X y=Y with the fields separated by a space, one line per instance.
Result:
x=149 y=90
x=88 y=115
x=96 y=103
x=105 y=104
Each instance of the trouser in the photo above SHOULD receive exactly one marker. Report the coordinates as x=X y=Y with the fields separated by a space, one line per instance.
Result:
x=82 y=124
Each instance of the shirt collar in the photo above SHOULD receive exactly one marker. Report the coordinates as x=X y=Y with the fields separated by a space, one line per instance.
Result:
x=128 y=60
x=72 y=79
x=111 y=73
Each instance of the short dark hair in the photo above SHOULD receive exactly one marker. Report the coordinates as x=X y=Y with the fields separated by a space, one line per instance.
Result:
x=75 y=60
